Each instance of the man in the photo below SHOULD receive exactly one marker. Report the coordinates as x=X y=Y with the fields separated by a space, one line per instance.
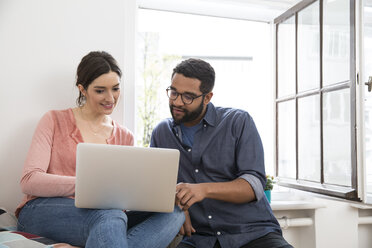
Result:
x=221 y=173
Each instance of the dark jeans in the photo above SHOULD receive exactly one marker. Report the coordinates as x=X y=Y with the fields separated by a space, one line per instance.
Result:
x=272 y=240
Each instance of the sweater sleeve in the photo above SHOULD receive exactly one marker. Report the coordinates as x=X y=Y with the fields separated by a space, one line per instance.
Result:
x=35 y=180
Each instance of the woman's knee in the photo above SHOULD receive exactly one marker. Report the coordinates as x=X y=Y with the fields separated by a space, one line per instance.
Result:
x=105 y=215
x=178 y=215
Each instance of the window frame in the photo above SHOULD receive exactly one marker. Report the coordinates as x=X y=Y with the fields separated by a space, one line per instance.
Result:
x=345 y=192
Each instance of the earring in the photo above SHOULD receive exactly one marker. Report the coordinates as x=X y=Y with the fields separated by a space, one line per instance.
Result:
x=82 y=100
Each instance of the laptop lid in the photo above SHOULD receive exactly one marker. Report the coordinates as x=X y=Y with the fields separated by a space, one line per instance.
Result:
x=126 y=177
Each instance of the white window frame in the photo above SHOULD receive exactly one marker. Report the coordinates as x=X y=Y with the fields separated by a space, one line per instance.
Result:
x=350 y=193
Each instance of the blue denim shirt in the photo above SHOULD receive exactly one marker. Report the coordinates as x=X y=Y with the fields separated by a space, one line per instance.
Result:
x=227 y=146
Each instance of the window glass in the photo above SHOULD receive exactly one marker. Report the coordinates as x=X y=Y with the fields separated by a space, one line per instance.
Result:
x=336 y=137
x=336 y=41
x=314 y=124
x=286 y=58
x=309 y=138
x=308 y=48
x=287 y=139
x=240 y=60
x=368 y=95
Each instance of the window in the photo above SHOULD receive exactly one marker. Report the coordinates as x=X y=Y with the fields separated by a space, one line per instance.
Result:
x=309 y=138
x=287 y=58
x=315 y=98
x=238 y=50
x=367 y=99
x=287 y=139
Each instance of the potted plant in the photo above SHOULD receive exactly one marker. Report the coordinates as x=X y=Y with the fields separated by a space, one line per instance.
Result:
x=269 y=186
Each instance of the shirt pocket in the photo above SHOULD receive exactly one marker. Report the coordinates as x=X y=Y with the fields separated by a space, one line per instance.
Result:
x=218 y=161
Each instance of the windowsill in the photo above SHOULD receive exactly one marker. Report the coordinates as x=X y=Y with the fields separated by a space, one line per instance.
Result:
x=295 y=205
x=361 y=206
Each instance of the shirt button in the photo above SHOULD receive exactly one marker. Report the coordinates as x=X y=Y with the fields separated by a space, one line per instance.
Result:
x=196 y=170
x=218 y=233
x=205 y=125
x=189 y=150
x=209 y=216
x=177 y=134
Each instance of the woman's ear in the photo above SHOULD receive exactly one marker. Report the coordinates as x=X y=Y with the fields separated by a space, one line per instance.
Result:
x=208 y=98
x=81 y=89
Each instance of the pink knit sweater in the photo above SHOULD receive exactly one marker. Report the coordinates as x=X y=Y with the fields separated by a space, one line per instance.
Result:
x=49 y=169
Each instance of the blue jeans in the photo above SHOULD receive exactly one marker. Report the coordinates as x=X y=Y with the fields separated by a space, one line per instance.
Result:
x=59 y=219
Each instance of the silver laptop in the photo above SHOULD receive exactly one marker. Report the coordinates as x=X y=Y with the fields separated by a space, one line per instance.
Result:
x=126 y=177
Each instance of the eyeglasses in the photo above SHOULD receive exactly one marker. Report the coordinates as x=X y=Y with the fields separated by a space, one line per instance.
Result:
x=185 y=97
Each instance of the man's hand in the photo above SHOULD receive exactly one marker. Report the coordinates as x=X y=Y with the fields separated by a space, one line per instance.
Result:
x=187 y=228
x=188 y=194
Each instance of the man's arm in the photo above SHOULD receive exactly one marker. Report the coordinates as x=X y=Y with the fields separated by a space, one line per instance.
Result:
x=236 y=191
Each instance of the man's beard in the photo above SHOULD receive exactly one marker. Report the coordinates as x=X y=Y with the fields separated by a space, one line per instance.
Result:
x=188 y=116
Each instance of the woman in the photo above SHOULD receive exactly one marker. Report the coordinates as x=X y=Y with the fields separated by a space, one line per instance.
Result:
x=48 y=178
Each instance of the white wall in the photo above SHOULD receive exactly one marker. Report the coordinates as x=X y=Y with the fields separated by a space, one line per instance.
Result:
x=41 y=44
x=336 y=222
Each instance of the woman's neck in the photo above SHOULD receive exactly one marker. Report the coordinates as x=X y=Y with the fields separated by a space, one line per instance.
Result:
x=88 y=115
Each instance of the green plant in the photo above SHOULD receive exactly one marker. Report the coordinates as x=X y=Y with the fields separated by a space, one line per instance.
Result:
x=269 y=182
x=154 y=71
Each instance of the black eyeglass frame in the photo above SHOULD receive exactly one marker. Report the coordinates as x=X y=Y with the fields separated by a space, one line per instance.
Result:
x=181 y=94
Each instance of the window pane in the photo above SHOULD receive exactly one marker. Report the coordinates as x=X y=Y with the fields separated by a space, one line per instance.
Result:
x=308 y=48
x=336 y=41
x=286 y=58
x=240 y=60
x=336 y=137
x=309 y=138
x=367 y=49
x=287 y=139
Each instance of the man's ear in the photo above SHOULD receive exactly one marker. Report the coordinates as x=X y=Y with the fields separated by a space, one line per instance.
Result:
x=208 y=97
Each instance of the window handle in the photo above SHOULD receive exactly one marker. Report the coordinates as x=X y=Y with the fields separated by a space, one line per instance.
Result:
x=369 y=83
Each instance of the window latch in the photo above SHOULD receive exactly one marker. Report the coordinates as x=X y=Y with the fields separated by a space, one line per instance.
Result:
x=369 y=84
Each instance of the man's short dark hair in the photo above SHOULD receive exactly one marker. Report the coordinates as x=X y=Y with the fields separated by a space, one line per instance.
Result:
x=199 y=69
